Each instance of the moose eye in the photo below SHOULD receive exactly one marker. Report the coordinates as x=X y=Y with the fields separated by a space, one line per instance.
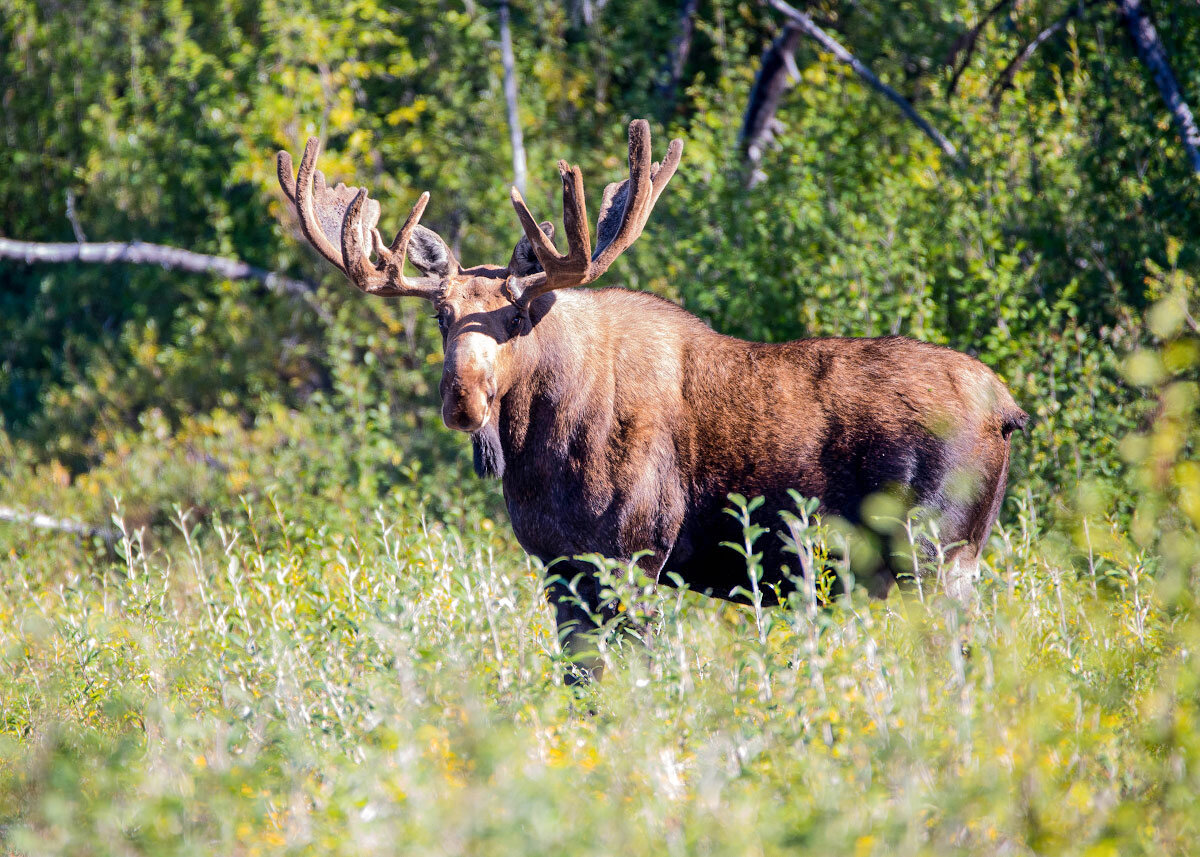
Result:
x=443 y=320
x=514 y=324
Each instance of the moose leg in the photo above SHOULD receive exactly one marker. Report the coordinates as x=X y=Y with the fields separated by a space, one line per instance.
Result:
x=579 y=611
x=962 y=576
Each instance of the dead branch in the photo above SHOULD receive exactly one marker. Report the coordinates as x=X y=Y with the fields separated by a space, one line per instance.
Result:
x=760 y=124
x=810 y=29
x=1154 y=56
x=65 y=525
x=174 y=258
x=73 y=217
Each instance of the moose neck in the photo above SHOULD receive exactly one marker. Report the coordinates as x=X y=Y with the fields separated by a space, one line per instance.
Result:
x=597 y=368
x=562 y=375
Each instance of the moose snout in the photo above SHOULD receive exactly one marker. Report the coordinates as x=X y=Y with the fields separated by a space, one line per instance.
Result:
x=467 y=403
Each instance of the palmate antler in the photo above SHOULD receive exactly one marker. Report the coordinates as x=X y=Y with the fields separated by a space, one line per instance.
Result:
x=624 y=209
x=340 y=221
x=346 y=215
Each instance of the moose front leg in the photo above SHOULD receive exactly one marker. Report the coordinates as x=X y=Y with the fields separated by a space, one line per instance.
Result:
x=584 y=607
x=580 y=611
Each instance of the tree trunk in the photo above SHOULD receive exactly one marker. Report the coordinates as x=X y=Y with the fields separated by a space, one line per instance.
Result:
x=510 y=99
x=1154 y=56
x=760 y=124
x=680 y=48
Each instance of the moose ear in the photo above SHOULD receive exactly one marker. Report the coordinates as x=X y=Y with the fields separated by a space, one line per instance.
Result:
x=523 y=261
x=429 y=253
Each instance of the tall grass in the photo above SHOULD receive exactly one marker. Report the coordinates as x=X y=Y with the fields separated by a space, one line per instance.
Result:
x=390 y=684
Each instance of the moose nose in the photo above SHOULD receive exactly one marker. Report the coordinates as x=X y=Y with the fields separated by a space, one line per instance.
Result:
x=467 y=406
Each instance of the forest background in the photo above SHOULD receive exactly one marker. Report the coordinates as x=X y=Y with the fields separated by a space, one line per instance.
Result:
x=252 y=597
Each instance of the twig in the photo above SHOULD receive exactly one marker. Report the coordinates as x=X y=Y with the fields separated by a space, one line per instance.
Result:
x=966 y=43
x=66 y=525
x=141 y=253
x=1005 y=80
x=810 y=29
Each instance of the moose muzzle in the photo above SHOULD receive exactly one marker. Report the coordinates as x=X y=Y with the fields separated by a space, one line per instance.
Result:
x=468 y=382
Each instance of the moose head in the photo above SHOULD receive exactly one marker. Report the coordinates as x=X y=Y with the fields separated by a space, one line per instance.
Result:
x=484 y=311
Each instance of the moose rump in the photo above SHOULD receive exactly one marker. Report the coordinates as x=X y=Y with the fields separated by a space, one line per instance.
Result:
x=844 y=421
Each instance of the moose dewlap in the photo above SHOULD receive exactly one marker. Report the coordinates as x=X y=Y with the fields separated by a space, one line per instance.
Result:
x=620 y=424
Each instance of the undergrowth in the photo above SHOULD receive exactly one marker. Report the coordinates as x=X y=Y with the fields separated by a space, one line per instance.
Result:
x=388 y=683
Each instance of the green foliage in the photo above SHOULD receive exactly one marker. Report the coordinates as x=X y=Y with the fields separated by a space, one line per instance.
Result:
x=322 y=681
x=317 y=634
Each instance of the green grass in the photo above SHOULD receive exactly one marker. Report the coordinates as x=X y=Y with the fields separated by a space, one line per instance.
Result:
x=382 y=683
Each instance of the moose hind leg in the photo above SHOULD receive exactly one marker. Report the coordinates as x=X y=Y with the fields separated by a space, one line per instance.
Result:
x=579 y=611
x=962 y=574
x=962 y=571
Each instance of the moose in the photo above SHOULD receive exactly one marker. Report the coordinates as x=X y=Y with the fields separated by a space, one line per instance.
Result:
x=620 y=424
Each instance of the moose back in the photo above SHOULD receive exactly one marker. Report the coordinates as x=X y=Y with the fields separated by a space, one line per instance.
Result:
x=619 y=423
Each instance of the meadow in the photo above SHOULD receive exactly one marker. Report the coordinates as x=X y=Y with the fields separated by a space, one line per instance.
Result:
x=381 y=681
x=297 y=623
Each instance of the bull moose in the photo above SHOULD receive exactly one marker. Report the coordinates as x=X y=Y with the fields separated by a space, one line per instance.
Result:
x=620 y=424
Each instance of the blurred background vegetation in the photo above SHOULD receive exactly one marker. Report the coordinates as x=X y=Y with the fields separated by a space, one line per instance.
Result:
x=1058 y=247
x=161 y=121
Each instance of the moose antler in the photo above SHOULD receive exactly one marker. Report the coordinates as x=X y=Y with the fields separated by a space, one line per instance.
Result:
x=347 y=215
x=624 y=209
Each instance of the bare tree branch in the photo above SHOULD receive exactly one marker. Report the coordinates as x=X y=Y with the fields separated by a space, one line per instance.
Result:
x=1154 y=55
x=175 y=258
x=810 y=29
x=76 y=227
x=966 y=43
x=65 y=525
x=510 y=99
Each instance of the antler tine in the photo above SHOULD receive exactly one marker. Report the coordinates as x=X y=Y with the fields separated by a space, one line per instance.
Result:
x=579 y=266
x=575 y=222
x=641 y=192
x=353 y=258
x=568 y=268
x=287 y=181
x=303 y=198
x=543 y=247
x=388 y=279
x=660 y=174
x=358 y=262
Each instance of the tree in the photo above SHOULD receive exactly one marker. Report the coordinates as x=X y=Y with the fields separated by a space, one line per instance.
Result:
x=1154 y=55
